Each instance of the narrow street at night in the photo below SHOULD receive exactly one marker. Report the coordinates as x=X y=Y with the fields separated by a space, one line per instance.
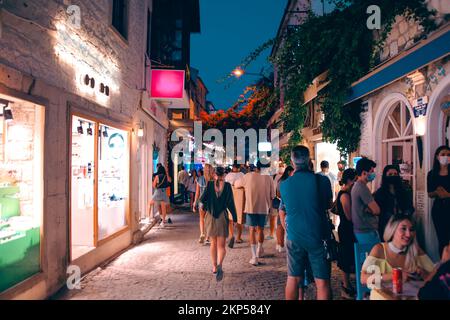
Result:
x=238 y=152
x=170 y=264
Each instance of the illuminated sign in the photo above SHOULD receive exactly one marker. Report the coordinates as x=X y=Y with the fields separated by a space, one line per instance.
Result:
x=420 y=106
x=167 y=84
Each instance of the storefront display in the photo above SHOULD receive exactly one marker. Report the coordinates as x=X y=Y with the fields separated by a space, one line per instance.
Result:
x=82 y=186
x=113 y=180
x=98 y=210
x=21 y=191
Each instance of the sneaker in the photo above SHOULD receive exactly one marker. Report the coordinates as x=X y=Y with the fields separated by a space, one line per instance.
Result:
x=162 y=225
x=269 y=238
x=277 y=247
x=253 y=261
x=231 y=243
x=239 y=241
x=207 y=242
x=169 y=221
x=201 y=239
x=281 y=249
x=259 y=252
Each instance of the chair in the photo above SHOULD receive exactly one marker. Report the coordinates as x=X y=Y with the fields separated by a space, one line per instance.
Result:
x=361 y=252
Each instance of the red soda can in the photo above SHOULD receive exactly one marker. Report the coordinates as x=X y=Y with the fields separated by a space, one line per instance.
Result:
x=397 y=280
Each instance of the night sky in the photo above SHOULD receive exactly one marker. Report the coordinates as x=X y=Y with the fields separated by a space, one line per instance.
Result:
x=230 y=30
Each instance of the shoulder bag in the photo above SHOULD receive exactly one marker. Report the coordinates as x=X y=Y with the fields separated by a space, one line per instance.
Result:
x=330 y=245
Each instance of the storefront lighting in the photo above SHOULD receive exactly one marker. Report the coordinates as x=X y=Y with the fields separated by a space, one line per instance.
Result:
x=89 y=130
x=7 y=112
x=80 y=127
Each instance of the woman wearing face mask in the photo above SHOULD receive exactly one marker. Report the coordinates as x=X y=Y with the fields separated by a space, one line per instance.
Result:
x=400 y=250
x=392 y=198
x=346 y=256
x=438 y=185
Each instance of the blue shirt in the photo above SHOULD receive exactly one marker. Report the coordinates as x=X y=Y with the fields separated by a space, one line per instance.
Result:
x=305 y=208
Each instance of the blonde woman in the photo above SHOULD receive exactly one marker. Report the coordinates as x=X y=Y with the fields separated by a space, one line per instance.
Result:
x=400 y=250
x=208 y=175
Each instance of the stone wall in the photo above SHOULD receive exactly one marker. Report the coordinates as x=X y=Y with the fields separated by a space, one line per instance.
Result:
x=404 y=32
x=39 y=39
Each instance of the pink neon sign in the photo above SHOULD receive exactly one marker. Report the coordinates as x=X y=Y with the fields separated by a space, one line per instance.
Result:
x=167 y=84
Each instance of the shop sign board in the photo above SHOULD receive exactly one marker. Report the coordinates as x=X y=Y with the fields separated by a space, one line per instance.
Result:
x=420 y=106
x=167 y=84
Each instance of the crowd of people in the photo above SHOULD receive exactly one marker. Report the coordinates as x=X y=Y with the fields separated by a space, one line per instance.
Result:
x=297 y=203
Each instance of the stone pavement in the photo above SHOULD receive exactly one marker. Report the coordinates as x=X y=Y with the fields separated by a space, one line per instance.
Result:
x=171 y=264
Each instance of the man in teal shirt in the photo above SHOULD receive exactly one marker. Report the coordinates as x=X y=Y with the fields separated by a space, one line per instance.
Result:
x=305 y=197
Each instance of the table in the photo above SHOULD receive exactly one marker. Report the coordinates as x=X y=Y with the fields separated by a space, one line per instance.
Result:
x=410 y=291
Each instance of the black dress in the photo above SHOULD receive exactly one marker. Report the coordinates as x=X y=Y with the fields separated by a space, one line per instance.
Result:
x=346 y=254
x=391 y=204
x=441 y=209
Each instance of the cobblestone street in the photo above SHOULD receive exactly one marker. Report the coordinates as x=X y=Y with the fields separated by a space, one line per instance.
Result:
x=171 y=264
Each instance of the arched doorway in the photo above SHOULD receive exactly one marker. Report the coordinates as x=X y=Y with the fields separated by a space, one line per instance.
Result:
x=394 y=139
x=398 y=142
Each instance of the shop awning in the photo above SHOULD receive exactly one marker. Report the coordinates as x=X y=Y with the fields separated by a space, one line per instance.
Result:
x=435 y=47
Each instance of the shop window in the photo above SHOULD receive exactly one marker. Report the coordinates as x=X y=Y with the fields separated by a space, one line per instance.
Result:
x=21 y=190
x=112 y=181
x=120 y=17
x=98 y=210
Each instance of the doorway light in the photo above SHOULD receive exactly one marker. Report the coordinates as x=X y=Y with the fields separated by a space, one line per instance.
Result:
x=80 y=127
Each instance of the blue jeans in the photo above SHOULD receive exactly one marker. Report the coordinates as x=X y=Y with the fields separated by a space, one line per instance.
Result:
x=371 y=238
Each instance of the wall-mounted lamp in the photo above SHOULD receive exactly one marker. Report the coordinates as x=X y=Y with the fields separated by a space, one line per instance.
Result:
x=89 y=81
x=140 y=131
x=104 y=89
x=105 y=132
x=80 y=127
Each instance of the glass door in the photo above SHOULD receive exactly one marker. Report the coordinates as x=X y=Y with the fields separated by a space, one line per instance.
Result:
x=99 y=183
x=82 y=186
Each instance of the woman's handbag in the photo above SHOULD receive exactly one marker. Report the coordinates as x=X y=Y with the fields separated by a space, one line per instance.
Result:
x=330 y=245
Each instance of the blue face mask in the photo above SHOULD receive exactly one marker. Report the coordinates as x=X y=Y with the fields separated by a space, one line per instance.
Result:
x=371 y=176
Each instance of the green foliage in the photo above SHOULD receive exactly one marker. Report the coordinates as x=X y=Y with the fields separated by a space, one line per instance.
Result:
x=341 y=44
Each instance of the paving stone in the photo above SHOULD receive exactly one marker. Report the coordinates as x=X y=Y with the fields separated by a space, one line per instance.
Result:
x=171 y=264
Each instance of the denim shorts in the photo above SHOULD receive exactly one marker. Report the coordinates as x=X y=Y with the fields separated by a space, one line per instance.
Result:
x=255 y=220
x=298 y=256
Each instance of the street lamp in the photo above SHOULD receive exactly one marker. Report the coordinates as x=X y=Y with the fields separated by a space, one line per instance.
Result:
x=239 y=72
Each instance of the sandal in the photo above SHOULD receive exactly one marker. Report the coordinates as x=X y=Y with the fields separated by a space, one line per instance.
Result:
x=201 y=239
x=219 y=274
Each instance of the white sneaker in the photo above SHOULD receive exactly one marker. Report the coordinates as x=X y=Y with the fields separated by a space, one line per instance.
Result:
x=254 y=261
x=277 y=247
x=281 y=249
x=162 y=225
x=259 y=252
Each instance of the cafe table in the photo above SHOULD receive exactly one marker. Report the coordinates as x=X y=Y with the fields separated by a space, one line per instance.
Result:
x=410 y=291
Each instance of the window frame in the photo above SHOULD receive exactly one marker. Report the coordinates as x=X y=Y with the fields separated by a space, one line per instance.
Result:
x=126 y=10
